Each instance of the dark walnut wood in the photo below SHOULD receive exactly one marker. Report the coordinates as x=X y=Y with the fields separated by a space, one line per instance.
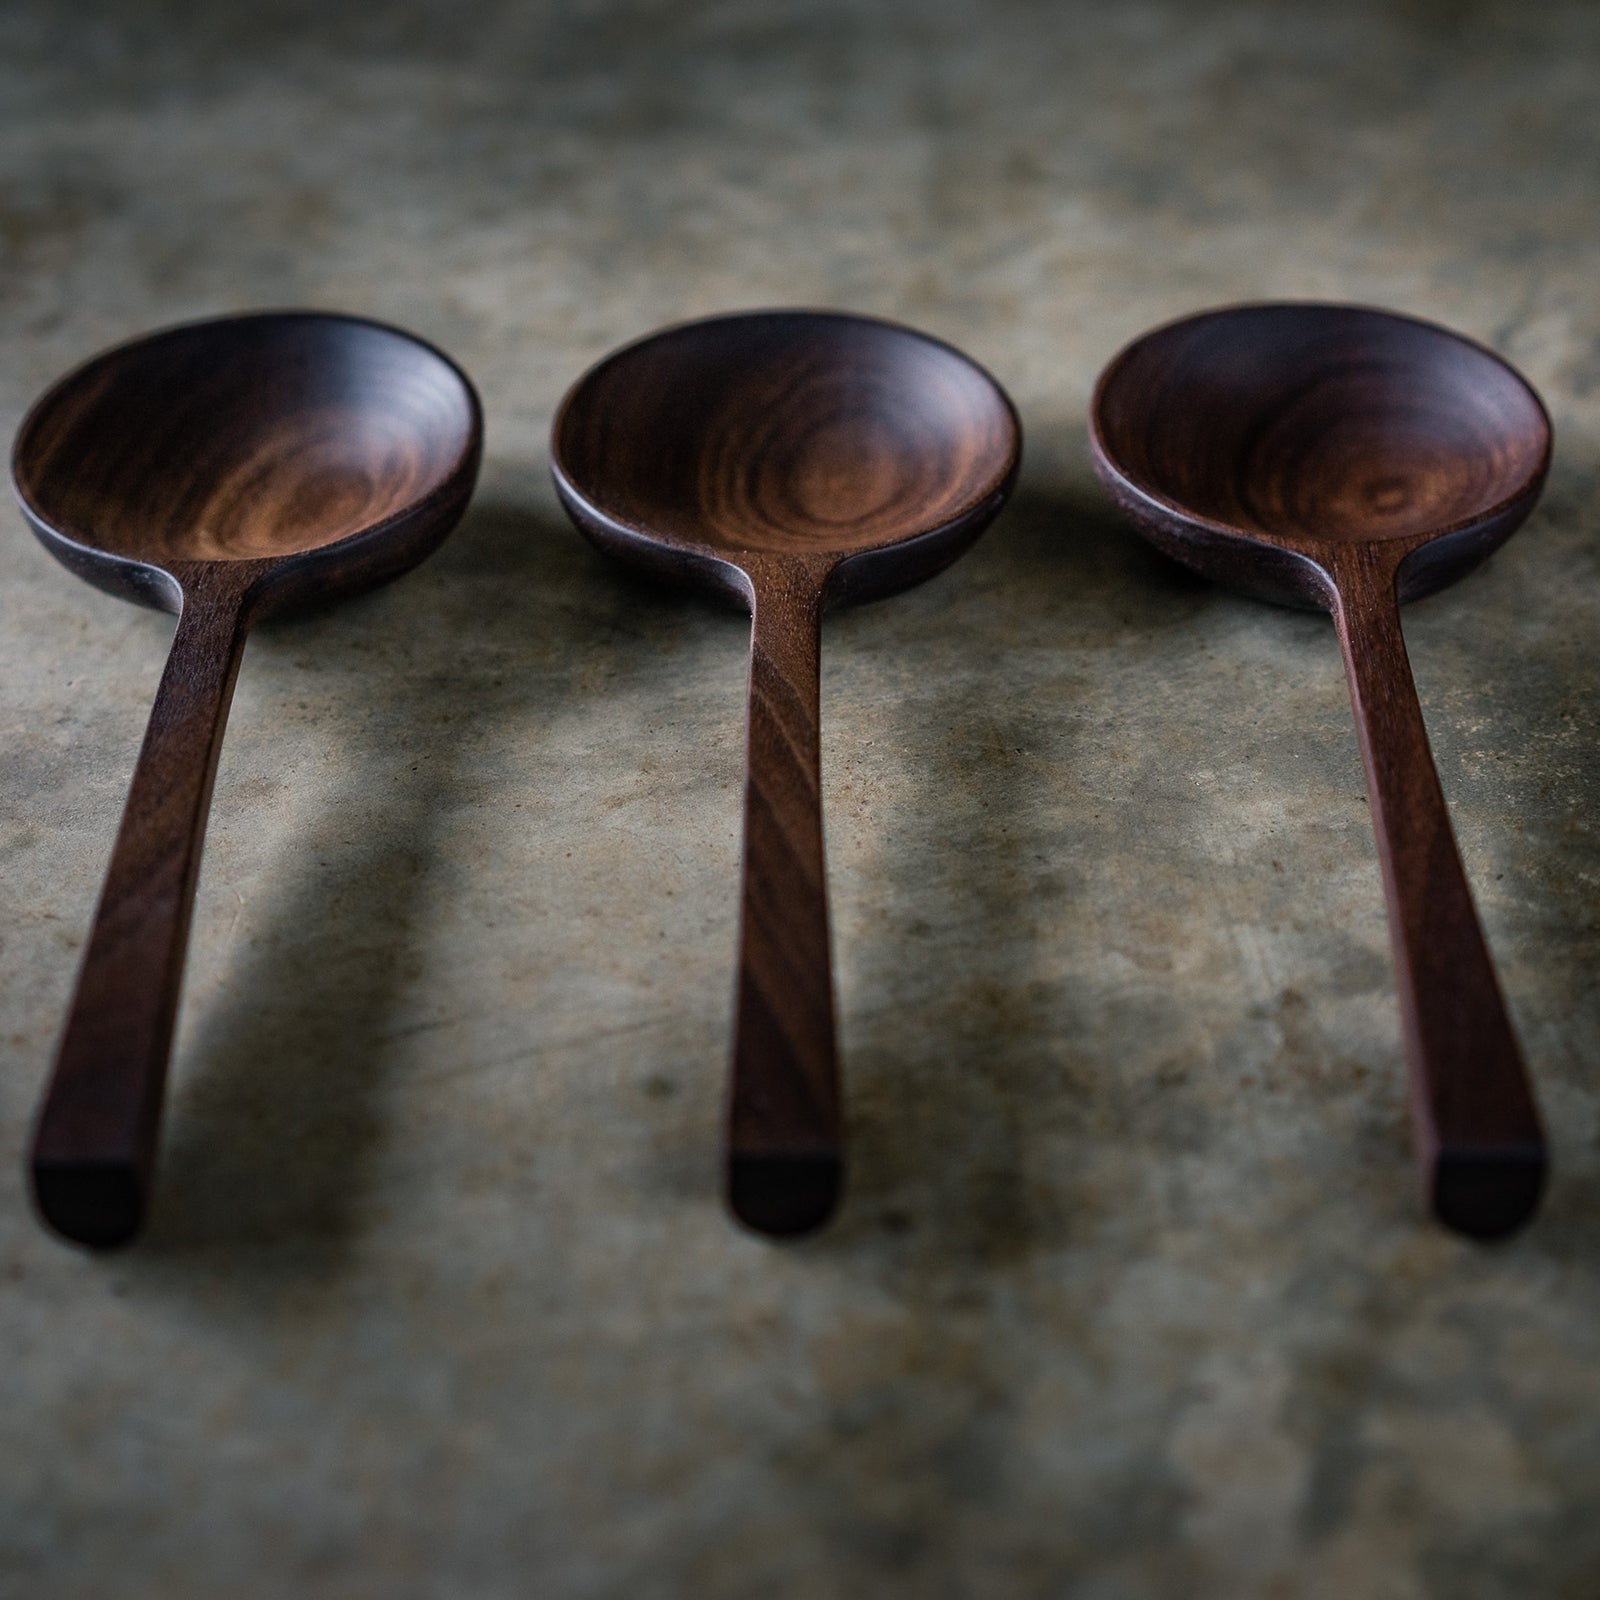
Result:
x=1350 y=459
x=222 y=470
x=792 y=460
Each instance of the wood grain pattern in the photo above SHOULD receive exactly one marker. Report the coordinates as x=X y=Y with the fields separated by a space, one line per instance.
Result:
x=793 y=460
x=223 y=470
x=1350 y=458
x=785 y=1121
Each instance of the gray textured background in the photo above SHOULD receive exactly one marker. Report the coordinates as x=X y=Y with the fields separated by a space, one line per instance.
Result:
x=1131 y=1298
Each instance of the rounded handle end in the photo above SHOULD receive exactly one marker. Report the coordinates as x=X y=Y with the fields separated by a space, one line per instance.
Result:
x=1488 y=1194
x=100 y=1204
x=784 y=1195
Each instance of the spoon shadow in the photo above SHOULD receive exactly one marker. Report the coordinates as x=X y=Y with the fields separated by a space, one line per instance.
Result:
x=279 y=1123
x=1545 y=854
x=979 y=1038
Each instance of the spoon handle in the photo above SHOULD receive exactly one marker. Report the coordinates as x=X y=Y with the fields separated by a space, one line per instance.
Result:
x=784 y=1129
x=1473 y=1114
x=94 y=1144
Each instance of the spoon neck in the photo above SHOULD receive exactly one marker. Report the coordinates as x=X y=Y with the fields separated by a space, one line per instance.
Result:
x=1404 y=796
x=1363 y=569
x=1366 y=612
x=1403 y=788
x=197 y=685
x=158 y=850
x=793 y=582
x=220 y=588
x=786 y=605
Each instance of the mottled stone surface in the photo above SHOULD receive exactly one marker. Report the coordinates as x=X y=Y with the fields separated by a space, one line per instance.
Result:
x=1131 y=1298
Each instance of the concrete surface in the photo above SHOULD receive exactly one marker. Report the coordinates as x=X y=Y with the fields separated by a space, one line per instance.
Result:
x=1132 y=1298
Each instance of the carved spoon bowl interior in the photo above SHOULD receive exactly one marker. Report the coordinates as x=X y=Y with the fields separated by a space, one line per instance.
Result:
x=322 y=444
x=221 y=470
x=793 y=460
x=1350 y=458
x=1293 y=428
x=867 y=449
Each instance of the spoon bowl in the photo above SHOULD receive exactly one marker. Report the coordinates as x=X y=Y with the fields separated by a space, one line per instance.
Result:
x=1347 y=458
x=221 y=470
x=793 y=460
x=331 y=440
x=1246 y=441
x=787 y=433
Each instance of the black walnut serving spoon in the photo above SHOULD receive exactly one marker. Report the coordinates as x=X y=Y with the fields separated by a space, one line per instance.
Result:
x=1350 y=459
x=223 y=470
x=791 y=460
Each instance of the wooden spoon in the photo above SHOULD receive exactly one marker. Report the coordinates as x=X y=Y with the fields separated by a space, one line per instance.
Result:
x=1350 y=459
x=791 y=459
x=222 y=470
